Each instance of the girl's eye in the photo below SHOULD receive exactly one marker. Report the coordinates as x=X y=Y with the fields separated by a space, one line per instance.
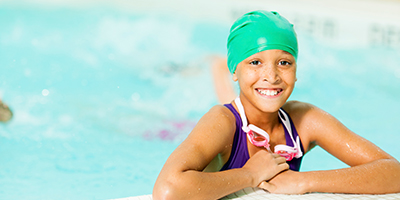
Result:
x=255 y=62
x=284 y=63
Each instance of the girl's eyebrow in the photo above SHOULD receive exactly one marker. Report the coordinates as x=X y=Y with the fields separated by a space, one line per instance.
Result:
x=251 y=58
x=285 y=52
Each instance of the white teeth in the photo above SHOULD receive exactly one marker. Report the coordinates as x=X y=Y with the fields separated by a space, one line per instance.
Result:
x=268 y=92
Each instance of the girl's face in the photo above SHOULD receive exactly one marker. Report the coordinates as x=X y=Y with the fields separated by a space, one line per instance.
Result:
x=266 y=79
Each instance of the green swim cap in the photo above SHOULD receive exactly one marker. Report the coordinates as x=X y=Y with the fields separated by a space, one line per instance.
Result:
x=259 y=31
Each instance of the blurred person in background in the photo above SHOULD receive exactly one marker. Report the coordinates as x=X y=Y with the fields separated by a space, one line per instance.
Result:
x=5 y=112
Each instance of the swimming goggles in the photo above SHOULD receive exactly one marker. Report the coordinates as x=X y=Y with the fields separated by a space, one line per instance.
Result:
x=260 y=138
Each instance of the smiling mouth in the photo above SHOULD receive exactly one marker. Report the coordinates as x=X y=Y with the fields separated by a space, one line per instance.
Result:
x=270 y=92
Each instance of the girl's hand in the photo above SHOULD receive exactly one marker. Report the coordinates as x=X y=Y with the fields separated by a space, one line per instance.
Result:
x=264 y=165
x=287 y=182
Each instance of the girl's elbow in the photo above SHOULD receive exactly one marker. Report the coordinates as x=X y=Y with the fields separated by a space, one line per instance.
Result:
x=162 y=195
x=165 y=191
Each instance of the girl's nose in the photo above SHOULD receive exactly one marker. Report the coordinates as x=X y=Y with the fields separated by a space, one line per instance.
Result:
x=271 y=75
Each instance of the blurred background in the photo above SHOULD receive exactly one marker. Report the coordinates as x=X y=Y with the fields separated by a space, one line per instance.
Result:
x=103 y=91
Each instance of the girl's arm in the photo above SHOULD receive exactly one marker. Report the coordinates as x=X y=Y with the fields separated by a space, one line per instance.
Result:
x=371 y=171
x=182 y=176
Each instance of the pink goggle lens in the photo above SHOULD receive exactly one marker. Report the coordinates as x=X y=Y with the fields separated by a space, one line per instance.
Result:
x=288 y=155
x=258 y=140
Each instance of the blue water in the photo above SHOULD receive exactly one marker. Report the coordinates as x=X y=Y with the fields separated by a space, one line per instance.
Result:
x=101 y=98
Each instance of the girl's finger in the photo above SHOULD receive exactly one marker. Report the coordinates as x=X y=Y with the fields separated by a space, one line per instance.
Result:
x=280 y=160
x=276 y=155
x=266 y=186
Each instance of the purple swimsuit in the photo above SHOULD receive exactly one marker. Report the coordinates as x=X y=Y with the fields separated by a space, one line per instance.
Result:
x=240 y=155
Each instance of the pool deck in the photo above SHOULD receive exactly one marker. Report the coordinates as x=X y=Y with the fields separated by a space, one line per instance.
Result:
x=254 y=194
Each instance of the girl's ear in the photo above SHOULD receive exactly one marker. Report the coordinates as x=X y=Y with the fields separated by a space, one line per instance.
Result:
x=234 y=77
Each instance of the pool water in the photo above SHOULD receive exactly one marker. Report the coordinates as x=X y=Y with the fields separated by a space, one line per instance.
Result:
x=101 y=98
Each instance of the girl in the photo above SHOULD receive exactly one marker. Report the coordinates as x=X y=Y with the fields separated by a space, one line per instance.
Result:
x=259 y=139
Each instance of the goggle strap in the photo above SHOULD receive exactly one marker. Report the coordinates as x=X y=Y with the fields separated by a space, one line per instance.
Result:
x=286 y=123
x=296 y=143
x=258 y=131
x=299 y=152
x=242 y=113
x=246 y=129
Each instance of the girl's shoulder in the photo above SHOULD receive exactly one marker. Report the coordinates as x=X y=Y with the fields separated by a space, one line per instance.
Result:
x=310 y=117
x=297 y=105
x=308 y=120
x=221 y=111
x=219 y=115
x=300 y=110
